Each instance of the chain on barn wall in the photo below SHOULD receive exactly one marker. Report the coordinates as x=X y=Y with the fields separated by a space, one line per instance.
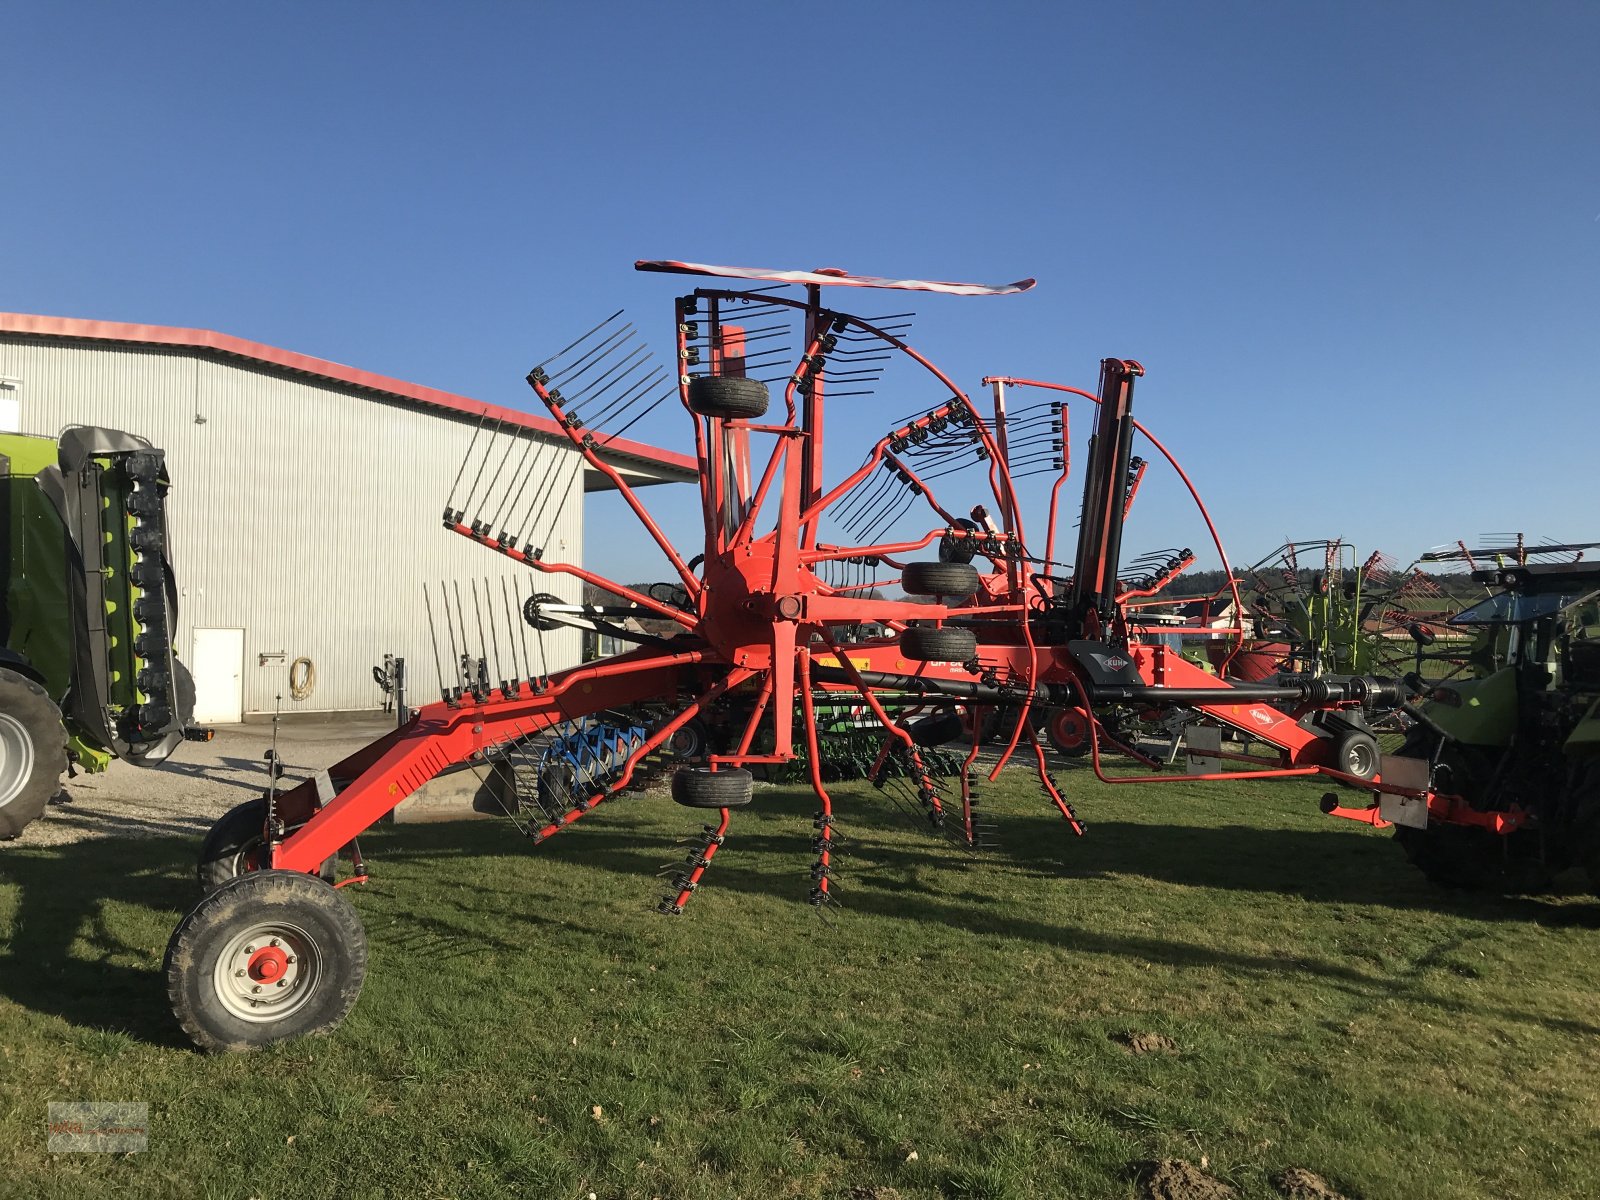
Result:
x=308 y=515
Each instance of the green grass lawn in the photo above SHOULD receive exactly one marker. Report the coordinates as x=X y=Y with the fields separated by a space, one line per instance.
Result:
x=529 y=1028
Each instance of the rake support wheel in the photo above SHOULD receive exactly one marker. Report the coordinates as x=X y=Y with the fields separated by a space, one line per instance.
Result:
x=700 y=787
x=268 y=956
x=234 y=846
x=945 y=644
x=939 y=579
x=730 y=397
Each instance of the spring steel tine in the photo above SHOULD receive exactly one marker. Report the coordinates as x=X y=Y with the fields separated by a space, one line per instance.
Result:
x=433 y=634
x=465 y=458
x=499 y=472
x=487 y=451
x=483 y=642
x=577 y=465
x=871 y=500
x=626 y=400
x=494 y=633
x=595 y=354
x=636 y=360
x=522 y=628
x=645 y=412
x=519 y=478
x=541 y=497
x=851 y=507
x=461 y=621
x=577 y=340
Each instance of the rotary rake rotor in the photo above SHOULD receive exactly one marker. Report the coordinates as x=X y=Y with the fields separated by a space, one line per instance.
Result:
x=780 y=614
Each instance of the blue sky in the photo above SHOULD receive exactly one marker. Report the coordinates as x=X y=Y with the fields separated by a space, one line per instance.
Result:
x=1355 y=246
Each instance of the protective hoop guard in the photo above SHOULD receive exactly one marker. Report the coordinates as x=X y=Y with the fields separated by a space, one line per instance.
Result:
x=833 y=276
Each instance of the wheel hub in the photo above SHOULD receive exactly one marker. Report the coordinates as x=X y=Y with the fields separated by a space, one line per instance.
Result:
x=267 y=972
x=16 y=757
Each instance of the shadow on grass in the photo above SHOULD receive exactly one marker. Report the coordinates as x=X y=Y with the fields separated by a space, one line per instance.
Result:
x=62 y=958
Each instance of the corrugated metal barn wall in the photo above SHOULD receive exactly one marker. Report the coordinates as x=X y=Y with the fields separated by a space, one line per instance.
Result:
x=305 y=514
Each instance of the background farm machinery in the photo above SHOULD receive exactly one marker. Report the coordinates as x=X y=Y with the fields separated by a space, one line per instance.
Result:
x=87 y=669
x=766 y=620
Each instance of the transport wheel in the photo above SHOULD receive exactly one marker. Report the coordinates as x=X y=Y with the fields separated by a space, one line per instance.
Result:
x=33 y=752
x=1356 y=753
x=922 y=643
x=700 y=787
x=939 y=579
x=730 y=397
x=234 y=846
x=1068 y=731
x=268 y=956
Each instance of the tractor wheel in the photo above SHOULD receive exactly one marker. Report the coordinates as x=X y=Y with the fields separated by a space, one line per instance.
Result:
x=1460 y=856
x=33 y=752
x=923 y=643
x=1356 y=753
x=1582 y=810
x=1068 y=732
x=234 y=846
x=268 y=956
x=729 y=396
x=939 y=579
x=700 y=787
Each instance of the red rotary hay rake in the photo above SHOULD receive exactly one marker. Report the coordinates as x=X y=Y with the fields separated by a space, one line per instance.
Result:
x=767 y=612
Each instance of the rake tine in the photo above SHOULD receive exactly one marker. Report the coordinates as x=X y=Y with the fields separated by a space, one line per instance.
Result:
x=433 y=634
x=465 y=458
x=622 y=403
x=487 y=451
x=581 y=338
x=520 y=477
x=588 y=394
x=494 y=633
x=639 y=417
x=598 y=354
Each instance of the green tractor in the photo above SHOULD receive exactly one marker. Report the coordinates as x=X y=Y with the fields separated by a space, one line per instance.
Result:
x=1508 y=765
x=87 y=671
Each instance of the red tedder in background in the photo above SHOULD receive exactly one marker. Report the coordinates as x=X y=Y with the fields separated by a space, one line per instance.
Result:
x=778 y=605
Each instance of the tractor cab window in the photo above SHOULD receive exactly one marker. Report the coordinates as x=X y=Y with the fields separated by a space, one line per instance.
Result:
x=1514 y=608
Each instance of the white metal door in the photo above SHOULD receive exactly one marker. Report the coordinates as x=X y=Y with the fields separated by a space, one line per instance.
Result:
x=218 y=666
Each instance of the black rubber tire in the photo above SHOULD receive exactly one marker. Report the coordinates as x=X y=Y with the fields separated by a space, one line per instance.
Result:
x=958 y=550
x=35 y=717
x=701 y=787
x=308 y=917
x=557 y=782
x=939 y=579
x=730 y=397
x=947 y=644
x=1581 y=814
x=1355 y=752
x=1457 y=856
x=1068 y=731
x=689 y=740
x=225 y=854
x=937 y=728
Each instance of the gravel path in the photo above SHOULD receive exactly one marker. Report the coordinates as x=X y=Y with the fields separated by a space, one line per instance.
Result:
x=198 y=784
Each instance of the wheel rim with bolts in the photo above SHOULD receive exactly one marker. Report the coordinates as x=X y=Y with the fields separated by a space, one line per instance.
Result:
x=16 y=757
x=1359 y=759
x=267 y=972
